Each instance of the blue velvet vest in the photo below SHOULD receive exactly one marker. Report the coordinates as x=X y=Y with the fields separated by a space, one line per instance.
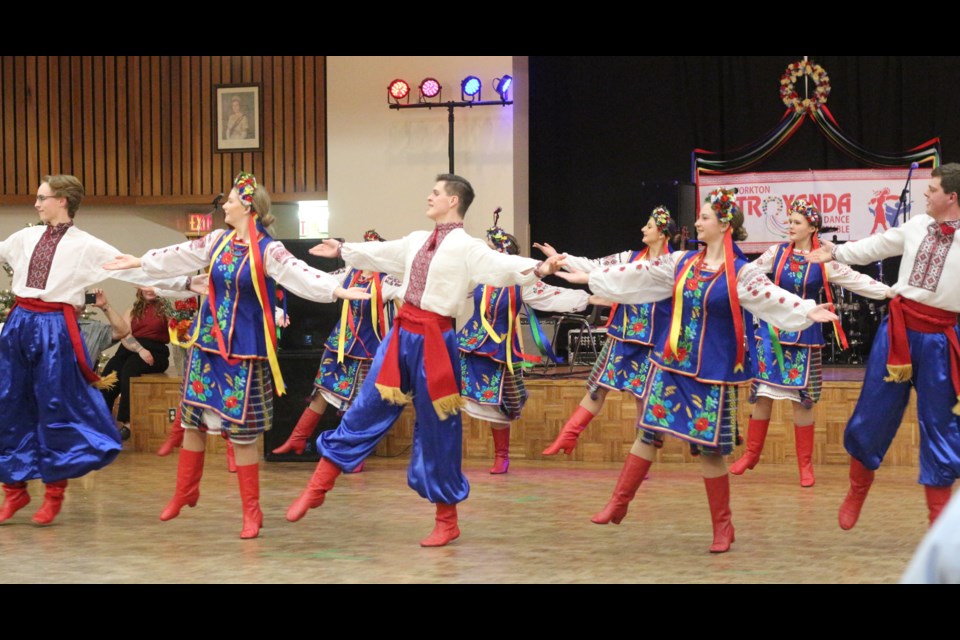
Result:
x=473 y=338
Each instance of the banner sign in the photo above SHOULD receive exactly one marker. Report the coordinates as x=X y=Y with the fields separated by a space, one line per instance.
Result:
x=855 y=202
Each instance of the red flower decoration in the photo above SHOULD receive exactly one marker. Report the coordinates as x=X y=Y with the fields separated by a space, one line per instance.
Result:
x=635 y=383
x=197 y=386
x=228 y=258
x=692 y=284
x=487 y=394
x=659 y=411
x=763 y=367
x=794 y=266
x=638 y=327
x=230 y=402
x=702 y=424
x=794 y=374
x=681 y=354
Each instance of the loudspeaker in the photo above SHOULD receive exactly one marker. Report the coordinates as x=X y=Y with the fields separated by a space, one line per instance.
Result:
x=299 y=370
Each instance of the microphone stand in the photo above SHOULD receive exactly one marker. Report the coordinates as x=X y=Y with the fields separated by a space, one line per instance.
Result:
x=902 y=204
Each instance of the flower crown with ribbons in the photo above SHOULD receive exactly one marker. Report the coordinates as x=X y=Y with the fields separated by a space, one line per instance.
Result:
x=723 y=203
x=808 y=211
x=245 y=184
x=496 y=234
x=661 y=218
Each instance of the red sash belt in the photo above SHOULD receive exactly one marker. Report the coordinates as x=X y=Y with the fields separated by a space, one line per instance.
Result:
x=441 y=382
x=909 y=314
x=40 y=306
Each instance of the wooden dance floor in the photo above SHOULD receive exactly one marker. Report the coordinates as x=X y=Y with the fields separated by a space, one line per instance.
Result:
x=528 y=526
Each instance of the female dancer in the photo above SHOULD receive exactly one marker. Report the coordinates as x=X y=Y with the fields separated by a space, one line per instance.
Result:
x=490 y=352
x=691 y=388
x=631 y=332
x=233 y=370
x=349 y=349
x=792 y=371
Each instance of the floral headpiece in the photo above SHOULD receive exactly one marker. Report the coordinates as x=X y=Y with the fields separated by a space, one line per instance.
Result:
x=496 y=234
x=371 y=235
x=808 y=211
x=661 y=218
x=723 y=203
x=245 y=184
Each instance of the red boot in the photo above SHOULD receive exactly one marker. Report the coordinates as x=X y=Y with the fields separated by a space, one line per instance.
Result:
x=249 y=477
x=322 y=481
x=445 y=530
x=756 y=436
x=804 y=438
x=718 y=495
x=16 y=498
x=567 y=439
x=860 y=480
x=52 y=501
x=631 y=476
x=175 y=439
x=501 y=451
x=231 y=458
x=937 y=499
x=297 y=441
x=189 y=472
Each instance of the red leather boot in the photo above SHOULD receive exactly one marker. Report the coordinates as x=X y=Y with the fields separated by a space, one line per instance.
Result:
x=631 y=476
x=860 y=480
x=567 y=439
x=174 y=439
x=52 y=501
x=445 y=530
x=15 y=498
x=756 y=436
x=297 y=441
x=937 y=499
x=231 y=458
x=501 y=451
x=189 y=472
x=718 y=495
x=249 y=477
x=804 y=439
x=320 y=482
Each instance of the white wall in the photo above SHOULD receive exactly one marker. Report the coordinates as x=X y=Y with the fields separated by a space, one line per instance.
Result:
x=382 y=162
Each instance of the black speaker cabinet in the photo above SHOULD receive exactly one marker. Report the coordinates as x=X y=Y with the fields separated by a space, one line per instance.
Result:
x=301 y=347
x=298 y=369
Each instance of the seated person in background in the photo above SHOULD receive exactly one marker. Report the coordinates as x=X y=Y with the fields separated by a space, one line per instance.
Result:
x=143 y=335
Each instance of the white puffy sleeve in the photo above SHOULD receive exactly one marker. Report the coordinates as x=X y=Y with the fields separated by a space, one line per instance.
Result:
x=544 y=297
x=387 y=257
x=637 y=282
x=855 y=281
x=487 y=266
x=587 y=265
x=297 y=276
x=765 y=262
x=767 y=301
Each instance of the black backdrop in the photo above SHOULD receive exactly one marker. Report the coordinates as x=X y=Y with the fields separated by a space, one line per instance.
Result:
x=603 y=129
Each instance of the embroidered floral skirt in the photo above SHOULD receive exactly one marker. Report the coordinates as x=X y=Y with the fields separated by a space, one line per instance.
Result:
x=240 y=394
x=703 y=414
x=338 y=382
x=799 y=380
x=621 y=366
x=492 y=392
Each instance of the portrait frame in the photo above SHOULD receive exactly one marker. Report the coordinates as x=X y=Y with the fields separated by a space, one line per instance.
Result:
x=237 y=112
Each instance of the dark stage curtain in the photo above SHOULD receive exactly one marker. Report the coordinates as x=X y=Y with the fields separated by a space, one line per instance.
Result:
x=606 y=133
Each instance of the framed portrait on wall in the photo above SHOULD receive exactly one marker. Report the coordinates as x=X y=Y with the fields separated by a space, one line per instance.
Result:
x=238 y=118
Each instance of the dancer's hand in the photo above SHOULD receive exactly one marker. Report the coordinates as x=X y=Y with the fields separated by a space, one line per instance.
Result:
x=576 y=277
x=545 y=249
x=822 y=313
x=329 y=248
x=200 y=285
x=823 y=254
x=123 y=261
x=353 y=293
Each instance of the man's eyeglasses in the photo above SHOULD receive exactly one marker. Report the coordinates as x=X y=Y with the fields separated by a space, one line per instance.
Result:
x=42 y=198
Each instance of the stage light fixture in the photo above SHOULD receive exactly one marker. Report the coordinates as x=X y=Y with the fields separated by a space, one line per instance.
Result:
x=470 y=89
x=397 y=90
x=502 y=87
x=429 y=88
